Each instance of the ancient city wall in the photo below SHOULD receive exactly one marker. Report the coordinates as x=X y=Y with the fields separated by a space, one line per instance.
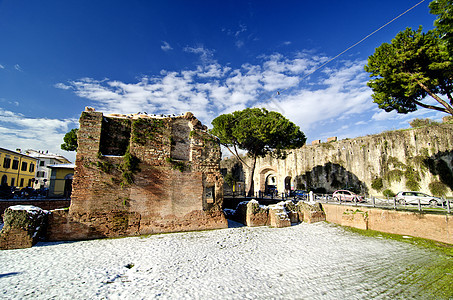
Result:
x=412 y=159
x=417 y=224
x=141 y=175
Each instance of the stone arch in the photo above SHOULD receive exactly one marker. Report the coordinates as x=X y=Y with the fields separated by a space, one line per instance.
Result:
x=4 y=180
x=287 y=184
x=268 y=176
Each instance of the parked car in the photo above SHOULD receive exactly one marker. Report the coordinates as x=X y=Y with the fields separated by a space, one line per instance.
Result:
x=410 y=197
x=345 y=195
x=299 y=194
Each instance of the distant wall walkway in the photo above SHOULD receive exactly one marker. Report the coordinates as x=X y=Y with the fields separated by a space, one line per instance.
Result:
x=429 y=226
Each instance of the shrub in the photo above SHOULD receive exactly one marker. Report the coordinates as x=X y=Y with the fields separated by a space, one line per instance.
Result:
x=412 y=185
x=422 y=122
x=388 y=193
x=377 y=184
x=437 y=188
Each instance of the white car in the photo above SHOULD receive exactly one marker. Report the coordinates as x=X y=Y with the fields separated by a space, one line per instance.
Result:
x=414 y=197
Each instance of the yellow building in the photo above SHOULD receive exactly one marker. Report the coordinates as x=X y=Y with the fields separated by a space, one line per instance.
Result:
x=16 y=169
x=61 y=180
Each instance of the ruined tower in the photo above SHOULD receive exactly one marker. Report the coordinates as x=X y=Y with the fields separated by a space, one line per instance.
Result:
x=141 y=174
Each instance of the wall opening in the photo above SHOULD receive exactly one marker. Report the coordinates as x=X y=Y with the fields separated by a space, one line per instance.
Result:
x=115 y=136
x=180 y=145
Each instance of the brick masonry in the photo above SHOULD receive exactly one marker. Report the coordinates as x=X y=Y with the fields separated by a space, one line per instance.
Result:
x=428 y=226
x=137 y=174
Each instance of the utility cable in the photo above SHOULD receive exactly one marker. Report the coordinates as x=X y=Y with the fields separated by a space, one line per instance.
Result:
x=347 y=49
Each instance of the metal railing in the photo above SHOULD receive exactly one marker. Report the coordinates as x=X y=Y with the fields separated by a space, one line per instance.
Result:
x=371 y=201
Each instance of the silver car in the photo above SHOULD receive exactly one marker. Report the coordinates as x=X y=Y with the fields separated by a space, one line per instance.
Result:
x=414 y=197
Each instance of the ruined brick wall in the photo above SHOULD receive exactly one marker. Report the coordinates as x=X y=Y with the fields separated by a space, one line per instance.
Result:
x=138 y=174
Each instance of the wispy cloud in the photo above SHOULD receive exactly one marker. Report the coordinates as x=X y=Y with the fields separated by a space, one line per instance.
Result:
x=62 y=86
x=212 y=89
x=2 y=66
x=18 y=68
x=206 y=55
x=238 y=35
x=19 y=131
x=166 y=46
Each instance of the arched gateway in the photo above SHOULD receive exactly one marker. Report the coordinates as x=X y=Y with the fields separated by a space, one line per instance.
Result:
x=268 y=179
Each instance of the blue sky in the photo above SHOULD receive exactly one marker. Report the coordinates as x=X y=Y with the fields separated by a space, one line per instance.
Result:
x=208 y=57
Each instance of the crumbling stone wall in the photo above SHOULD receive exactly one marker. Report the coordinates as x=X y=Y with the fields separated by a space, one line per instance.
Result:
x=411 y=159
x=23 y=226
x=282 y=214
x=138 y=174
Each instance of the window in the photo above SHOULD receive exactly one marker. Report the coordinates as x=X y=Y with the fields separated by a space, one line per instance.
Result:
x=21 y=182
x=12 y=181
x=6 y=162
x=4 y=180
x=40 y=174
x=30 y=182
x=32 y=168
x=42 y=163
x=24 y=166
x=15 y=164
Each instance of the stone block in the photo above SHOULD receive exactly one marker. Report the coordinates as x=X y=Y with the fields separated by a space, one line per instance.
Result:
x=292 y=211
x=278 y=217
x=316 y=142
x=256 y=214
x=23 y=225
x=311 y=213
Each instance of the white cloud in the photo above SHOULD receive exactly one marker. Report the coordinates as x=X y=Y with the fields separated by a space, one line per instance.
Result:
x=19 y=131
x=166 y=46
x=62 y=86
x=334 y=97
x=239 y=43
x=1 y=66
x=206 y=55
x=18 y=68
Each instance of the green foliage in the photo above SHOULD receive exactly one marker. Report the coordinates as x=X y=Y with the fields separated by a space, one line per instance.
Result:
x=413 y=66
x=230 y=179
x=437 y=188
x=145 y=129
x=422 y=122
x=377 y=184
x=105 y=166
x=128 y=167
x=327 y=146
x=394 y=175
x=258 y=131
x=395 y=162
x=388 y=193
x=70 y=140
x=412 y=179
x=176 y=165
x=444 y=22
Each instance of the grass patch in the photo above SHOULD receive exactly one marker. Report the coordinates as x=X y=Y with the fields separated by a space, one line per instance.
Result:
x=441 y=248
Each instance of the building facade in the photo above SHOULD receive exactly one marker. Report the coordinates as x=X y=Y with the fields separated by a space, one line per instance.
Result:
x=43 y=172
x=61 y=180
x=17 y=169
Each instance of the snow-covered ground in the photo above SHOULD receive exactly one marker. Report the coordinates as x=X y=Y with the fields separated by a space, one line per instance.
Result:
x=306 y=261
